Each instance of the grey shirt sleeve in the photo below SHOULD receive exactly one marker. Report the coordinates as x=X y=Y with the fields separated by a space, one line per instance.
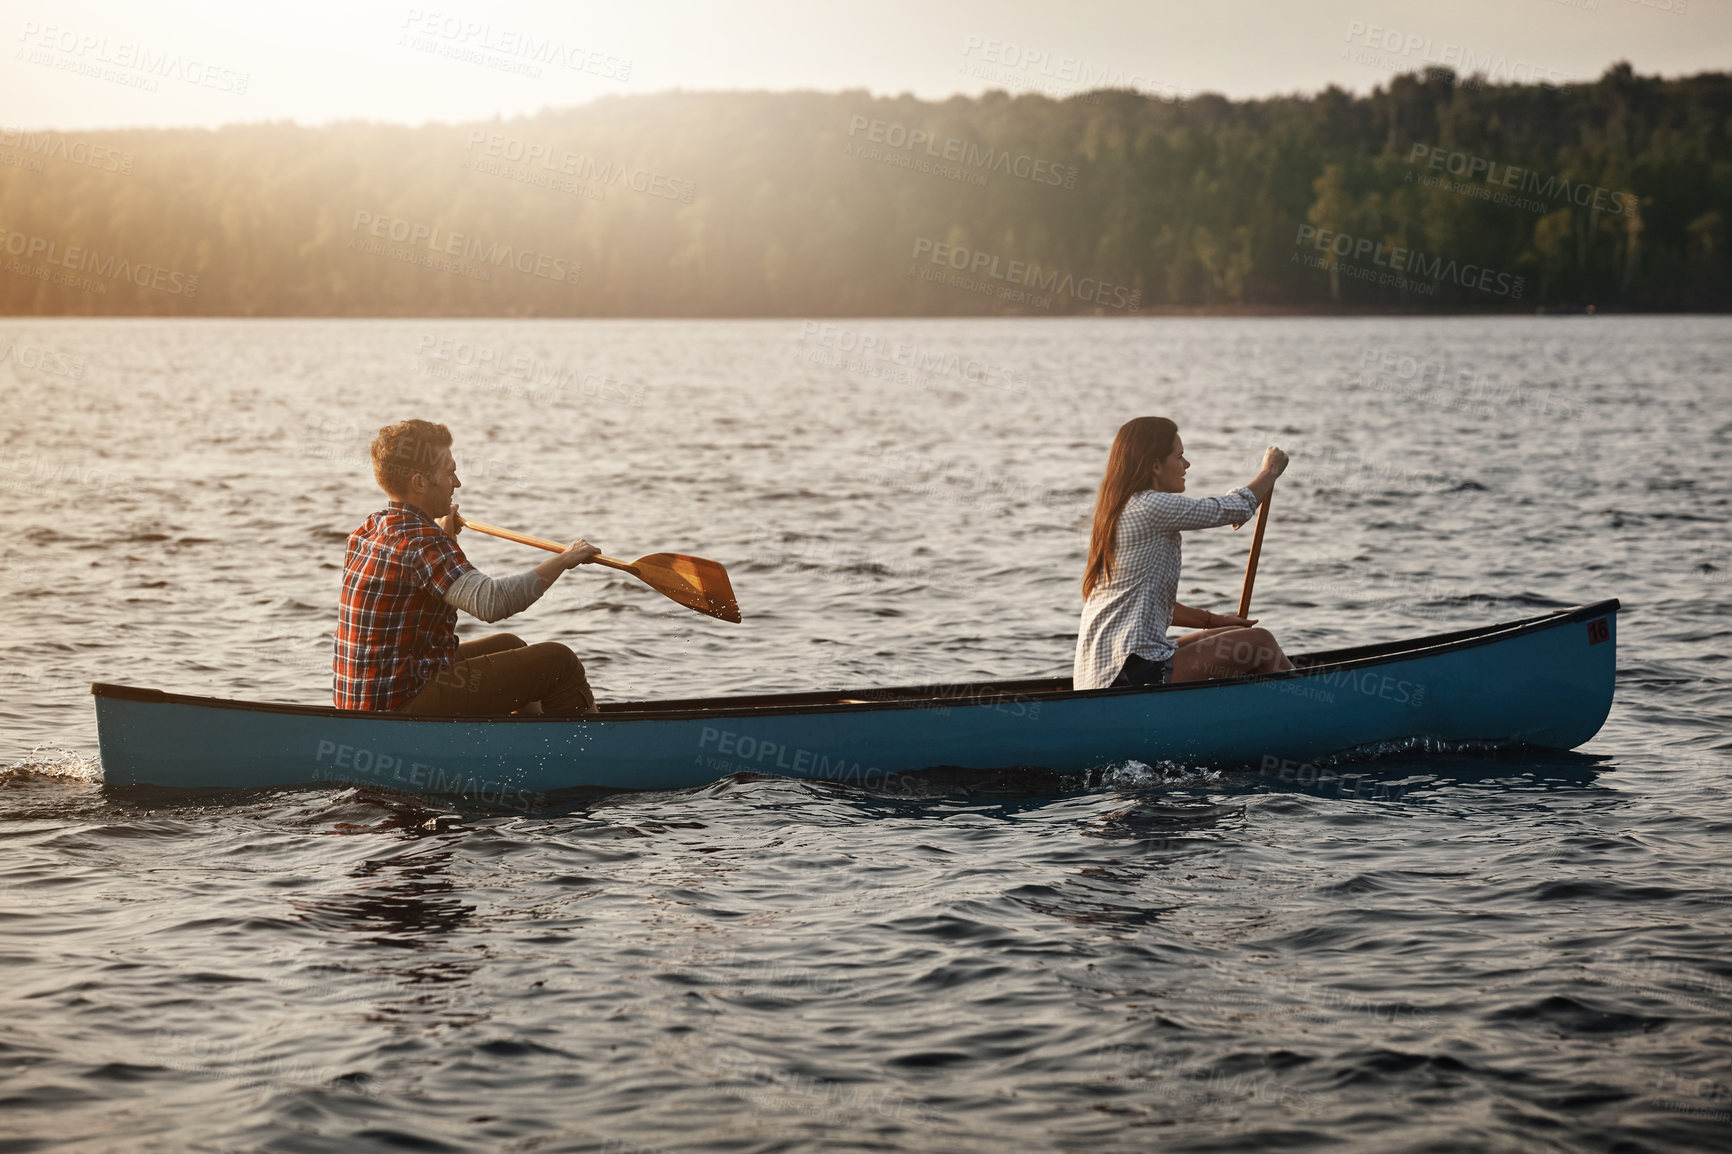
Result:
x=481 y=596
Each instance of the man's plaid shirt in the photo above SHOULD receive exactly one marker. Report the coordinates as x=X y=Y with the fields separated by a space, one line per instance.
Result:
x=394 y=630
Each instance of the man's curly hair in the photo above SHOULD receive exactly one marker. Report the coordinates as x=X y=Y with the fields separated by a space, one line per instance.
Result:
x=400 y=451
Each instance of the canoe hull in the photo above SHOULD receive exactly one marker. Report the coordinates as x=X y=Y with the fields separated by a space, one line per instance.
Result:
x=1545 y=682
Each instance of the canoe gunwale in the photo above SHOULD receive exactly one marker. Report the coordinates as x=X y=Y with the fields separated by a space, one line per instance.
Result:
x=919 y=696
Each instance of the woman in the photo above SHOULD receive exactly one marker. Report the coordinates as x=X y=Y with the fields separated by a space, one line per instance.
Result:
x=1131 y=584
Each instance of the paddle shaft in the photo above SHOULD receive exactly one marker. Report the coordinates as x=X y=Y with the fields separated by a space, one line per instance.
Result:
x=1256 y=551
x=557 y=547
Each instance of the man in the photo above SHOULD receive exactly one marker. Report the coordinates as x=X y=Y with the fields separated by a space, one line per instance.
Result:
x=405 y=578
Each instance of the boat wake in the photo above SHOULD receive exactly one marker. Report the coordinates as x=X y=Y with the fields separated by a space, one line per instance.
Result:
x=1427 y=746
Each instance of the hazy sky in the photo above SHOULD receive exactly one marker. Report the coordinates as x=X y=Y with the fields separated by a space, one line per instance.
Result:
x=108 y=63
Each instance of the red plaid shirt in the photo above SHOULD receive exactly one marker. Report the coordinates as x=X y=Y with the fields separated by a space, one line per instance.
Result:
x=394 y=630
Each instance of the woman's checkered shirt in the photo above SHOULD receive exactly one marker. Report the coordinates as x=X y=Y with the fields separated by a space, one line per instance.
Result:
x=1130 y=613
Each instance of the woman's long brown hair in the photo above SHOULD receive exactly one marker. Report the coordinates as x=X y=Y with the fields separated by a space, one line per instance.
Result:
x=1141 y=444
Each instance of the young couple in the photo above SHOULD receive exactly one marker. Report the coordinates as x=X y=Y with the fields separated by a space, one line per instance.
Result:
x=405 y=577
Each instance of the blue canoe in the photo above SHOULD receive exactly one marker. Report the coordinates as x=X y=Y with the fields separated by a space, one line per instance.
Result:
x=1544 y=681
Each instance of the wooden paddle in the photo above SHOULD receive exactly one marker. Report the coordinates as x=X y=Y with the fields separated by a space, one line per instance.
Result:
x=1256 y=551
x=695 y=582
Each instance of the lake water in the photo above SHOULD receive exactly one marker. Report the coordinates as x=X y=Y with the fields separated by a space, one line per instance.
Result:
x=1516 y=951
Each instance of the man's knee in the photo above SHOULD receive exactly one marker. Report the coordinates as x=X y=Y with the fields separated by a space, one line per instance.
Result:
x=507 y=640
x=567 y=689
x=559 y=658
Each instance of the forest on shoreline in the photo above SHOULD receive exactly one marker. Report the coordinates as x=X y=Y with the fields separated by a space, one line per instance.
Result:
x=1433 y=193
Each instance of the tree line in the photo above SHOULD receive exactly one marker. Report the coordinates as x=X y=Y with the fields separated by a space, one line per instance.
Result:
x=1432 y=193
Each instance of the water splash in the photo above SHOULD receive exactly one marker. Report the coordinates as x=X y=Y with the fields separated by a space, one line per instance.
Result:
x=1135 y=774
x=50 y=760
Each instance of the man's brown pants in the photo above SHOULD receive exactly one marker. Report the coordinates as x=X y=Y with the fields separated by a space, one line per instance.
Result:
x=500 y=674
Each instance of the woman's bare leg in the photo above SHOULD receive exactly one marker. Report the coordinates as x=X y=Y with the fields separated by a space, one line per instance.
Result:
x=1193 y=638
x=1229 y=653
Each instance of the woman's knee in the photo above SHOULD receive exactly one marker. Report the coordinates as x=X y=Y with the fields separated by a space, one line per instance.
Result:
x=1268 y=650
x=1245 y=649
x=1245 y=639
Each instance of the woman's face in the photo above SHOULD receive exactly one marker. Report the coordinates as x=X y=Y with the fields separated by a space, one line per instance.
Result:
x=1170 y=470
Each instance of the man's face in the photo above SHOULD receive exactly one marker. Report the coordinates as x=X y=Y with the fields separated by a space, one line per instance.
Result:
x=430 y=490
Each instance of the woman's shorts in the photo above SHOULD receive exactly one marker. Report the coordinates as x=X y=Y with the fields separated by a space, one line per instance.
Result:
x=1142 y=671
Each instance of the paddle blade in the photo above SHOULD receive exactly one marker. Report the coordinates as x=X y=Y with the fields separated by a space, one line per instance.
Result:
x=695 y=582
